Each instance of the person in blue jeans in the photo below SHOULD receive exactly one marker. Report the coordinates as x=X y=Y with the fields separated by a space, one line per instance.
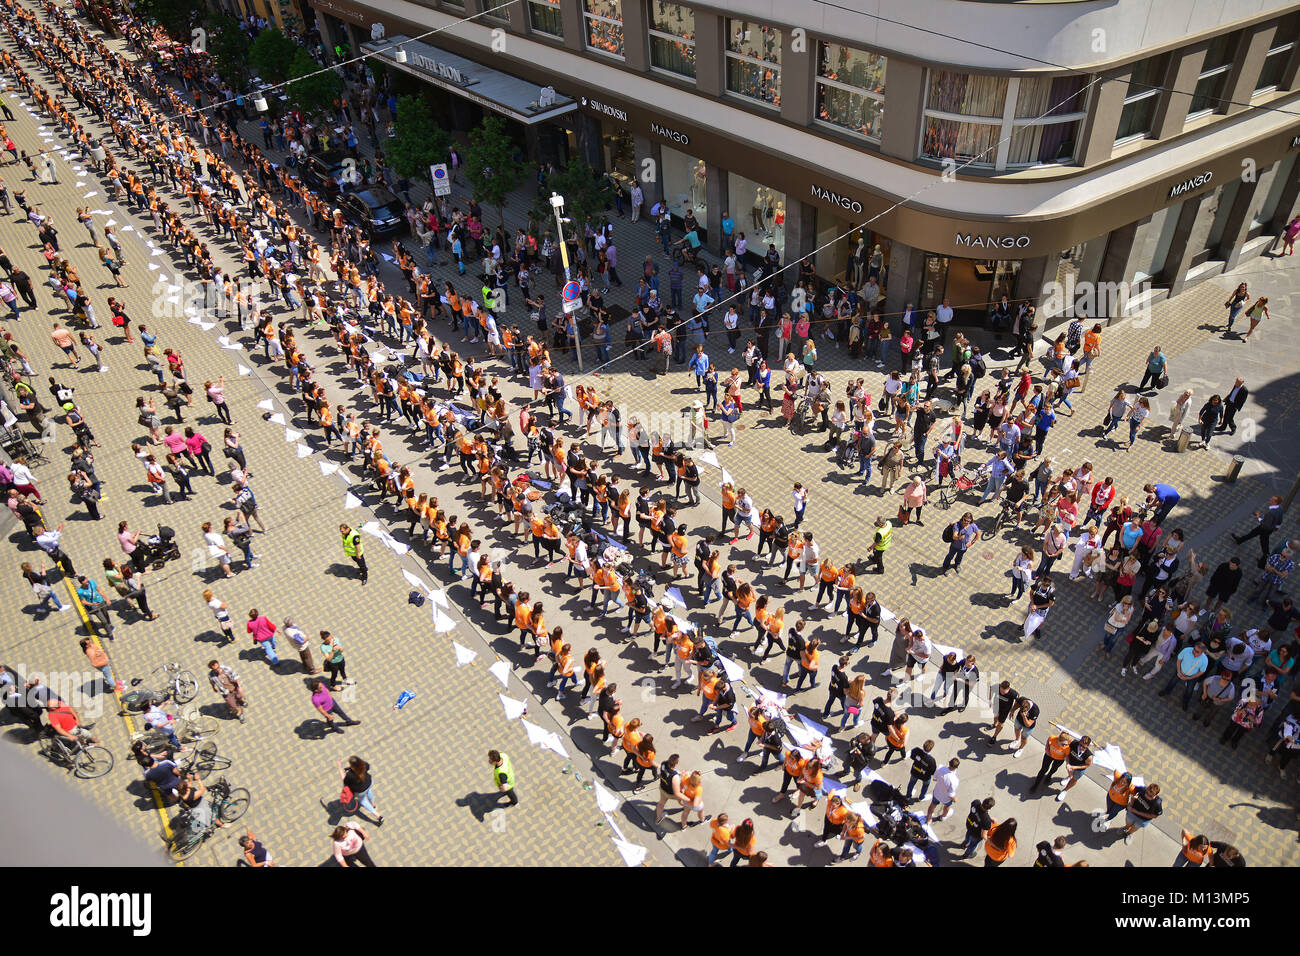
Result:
x=699 y=364
x=1190 y=667
x=978 y=822
x=923 y=768
x=1157 y=365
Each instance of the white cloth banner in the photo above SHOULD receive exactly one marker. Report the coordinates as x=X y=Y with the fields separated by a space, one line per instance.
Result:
x=303 y=450
x=245 y=370
x=414 y=581
x=266 y=405
x=514 y=708
x=441 y=622
x=277 y=418
x=327 y=467
x=463 y=654
x=606 y=802
x=501 y=671
x=351 y=501
x=709 y=458
x=632 y=854
x=290 y=435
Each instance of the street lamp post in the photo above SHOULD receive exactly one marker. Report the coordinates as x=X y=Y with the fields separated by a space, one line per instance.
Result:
x=557 y=204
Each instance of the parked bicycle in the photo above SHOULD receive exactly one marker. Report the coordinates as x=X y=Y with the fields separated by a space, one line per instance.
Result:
x=86 y=760
x=177 y=684
x=226 y=804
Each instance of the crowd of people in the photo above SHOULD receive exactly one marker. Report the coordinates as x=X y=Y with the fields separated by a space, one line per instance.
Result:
x=578 y=513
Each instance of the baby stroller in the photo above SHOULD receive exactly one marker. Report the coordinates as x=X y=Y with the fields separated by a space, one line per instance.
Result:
x=846 y=452
x=163 y=547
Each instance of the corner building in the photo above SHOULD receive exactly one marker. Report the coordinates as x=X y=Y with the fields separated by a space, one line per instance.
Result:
x=1147 y=142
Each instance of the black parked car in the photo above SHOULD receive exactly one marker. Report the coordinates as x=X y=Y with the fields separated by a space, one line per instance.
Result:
x=328 y=173
x=375 y=210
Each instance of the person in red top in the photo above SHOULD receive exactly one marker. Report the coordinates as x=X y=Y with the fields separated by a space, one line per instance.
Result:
x=1103 y=493
x=65 y=723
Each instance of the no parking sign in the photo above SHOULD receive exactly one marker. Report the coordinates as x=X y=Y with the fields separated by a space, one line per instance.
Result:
x=572 y=296
x=441 y=181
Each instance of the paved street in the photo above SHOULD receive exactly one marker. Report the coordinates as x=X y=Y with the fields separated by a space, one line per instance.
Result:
x=431 y=772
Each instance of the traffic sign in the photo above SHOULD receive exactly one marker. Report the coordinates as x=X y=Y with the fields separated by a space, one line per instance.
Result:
x=572 y=292
x=441 y=181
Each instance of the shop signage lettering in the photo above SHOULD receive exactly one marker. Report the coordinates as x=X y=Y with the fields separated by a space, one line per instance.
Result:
x=1295 y=142
x=1196 y=182
x=599 y=107
x=974 y=241
x=440 y=68
x=666 y=133
x=835 y=199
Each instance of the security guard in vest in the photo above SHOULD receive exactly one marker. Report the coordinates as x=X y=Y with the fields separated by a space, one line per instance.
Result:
x=883 y=538
x=353 y=549
x=503 y=776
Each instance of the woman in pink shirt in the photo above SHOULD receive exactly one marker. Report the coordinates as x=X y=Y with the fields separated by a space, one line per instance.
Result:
x=350 y=844
x=198 y=447
x=175 y=443
x=263 y=630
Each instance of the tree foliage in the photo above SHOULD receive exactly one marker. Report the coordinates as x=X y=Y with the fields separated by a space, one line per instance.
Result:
x=492 y=164
x=177 y=17
x=420 y=141
x=311 y=95
x=587 y=194
x=228 y=45
x=271 y=55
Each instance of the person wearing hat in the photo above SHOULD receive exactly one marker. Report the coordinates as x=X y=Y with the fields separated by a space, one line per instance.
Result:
x=1088 y=543
x=699 y=425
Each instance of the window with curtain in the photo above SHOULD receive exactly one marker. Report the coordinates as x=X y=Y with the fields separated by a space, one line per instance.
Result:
x=1270 y=75
x=754 y=61
x=950 y=98
x=1207 y=96
x=544 y=17
x=672 y=37
x=1049 y=113
x=604 y=25
x=1142 y=98
x=851 y=89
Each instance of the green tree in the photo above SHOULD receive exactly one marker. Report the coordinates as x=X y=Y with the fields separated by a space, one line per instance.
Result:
x=228 y=46
x=177 y=17
x=271 y=55
x=586 y=194
x=311 y=95
x=420 y=141
x=491 y=163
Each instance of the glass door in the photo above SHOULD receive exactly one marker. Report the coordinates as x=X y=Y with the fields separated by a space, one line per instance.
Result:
x=934 y=282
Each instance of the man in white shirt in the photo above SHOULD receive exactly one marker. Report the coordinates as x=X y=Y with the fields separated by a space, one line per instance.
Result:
x=635 y=198
x=946 y=783
x=943 y=314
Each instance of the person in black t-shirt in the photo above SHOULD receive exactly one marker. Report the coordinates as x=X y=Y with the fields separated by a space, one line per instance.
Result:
x=1007 y=698
x=978 y=823
x=1143 y=808
x=1049 y=854
x=923 y=767
x=1026 y=718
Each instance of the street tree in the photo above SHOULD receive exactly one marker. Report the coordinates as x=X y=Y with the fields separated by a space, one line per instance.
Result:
x=271 y=55
x=492 y=163
x=311 y=90
x=419 y=141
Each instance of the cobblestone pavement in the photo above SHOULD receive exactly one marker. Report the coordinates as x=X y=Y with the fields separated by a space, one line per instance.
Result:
x=1233 y=796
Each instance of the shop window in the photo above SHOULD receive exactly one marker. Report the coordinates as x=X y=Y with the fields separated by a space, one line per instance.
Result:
x=1270 y=75
x=672 y=38
x=604 y=24
x=1139 y=113
x=754 y=61
x=1151 y=244
x=759 y=212
x=851 y=89
x=684 y=181
x=1207 y=95
x=1268 y=194
x=544 y=17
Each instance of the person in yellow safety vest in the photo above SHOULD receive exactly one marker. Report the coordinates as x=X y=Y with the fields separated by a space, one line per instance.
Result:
x=883 y=538
x=503 y=776
x=353 y=548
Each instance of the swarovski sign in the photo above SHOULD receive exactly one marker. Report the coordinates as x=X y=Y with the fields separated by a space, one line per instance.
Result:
x=1187 y=185
x=834 y=198
x=972 y=240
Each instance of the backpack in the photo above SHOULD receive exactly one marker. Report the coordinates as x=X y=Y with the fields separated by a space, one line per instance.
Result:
x=977 y=366
x=949 y=532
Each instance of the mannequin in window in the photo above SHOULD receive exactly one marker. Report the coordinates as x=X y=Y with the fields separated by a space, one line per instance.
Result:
x=778 y=229
x=698 y=181
x=757 y=212
x=857 y=261
x=877 y=263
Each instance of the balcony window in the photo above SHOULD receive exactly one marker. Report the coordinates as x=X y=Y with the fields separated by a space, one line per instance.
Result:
x=1139 y=112
x=604 y=24
x=544 y=17
x=672 y=38
x=1207 y=96
x=1270 y=76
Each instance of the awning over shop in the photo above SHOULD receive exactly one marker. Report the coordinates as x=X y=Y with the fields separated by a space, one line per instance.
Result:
x=500 y=92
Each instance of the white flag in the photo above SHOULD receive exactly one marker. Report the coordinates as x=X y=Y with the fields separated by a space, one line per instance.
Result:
x=245 y=370
x=606 y=802
x=709 y=458
x=536 y=736
x=266 y=405
x=514 y=708
x=277 y=418
x=414 y=581
x=553 y=742
x=291 y=436
x=632 y=854
x=442 y=623
x=463 y=654
x=351 y=501
x=501 y=671
x=726 y=476
x=303 y=450
x=439 y=597
x=327 y=467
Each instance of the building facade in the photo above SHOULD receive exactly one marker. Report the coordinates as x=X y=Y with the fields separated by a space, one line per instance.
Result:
x=959 y=149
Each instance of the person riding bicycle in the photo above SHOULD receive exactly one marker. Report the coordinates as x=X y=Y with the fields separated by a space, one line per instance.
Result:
x=1015 y=494
x=161 y=721
x=193 y=799
x=689 y=245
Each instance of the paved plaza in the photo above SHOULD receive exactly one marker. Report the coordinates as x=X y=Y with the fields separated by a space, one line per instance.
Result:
x=432 y=777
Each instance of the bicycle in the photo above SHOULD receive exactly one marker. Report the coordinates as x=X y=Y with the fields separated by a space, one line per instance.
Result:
x=180 y=685
x=228 y=805
x=192 y=727
x=85 y=760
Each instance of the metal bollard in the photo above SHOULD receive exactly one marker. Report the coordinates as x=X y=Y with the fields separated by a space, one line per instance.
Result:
x=1234 y=469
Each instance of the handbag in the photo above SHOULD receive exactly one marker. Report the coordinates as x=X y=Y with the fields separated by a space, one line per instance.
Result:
x=904 y=514
x=346 y=796
x=1163 y=380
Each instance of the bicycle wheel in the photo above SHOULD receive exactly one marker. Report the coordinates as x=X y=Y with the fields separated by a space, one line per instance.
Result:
x=235 y=805
x=202 y=727
x=184 y=845
x=203 y=759
x=92 y=761
x=184 y=687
